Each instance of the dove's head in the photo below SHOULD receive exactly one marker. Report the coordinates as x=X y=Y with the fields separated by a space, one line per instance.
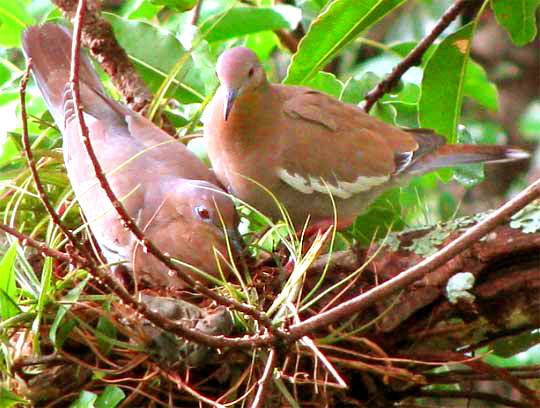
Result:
x=240 y=72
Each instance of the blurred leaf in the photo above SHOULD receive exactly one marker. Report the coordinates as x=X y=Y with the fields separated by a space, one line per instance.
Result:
x=241 y=21
x=518 y=17
x=442 y=84
x=9 y=399
x=111 y=397
x=326 y=83
x=529 y=123
x=197 y=145
x=382 y=216
x=154 y=53
x=8 y=289
x=8 y=149
x=139 y=9
x=509 y=346
x=13 y=20
x=86 y=400
x=355 y=89
x=338 y=24
x=60 y=328
x=262 y=43
x=478 y=87
x=469 y=174
x=178 y=5
x=106 y=331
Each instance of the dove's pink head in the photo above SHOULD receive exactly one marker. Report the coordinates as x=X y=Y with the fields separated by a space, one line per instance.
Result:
x=240 y=72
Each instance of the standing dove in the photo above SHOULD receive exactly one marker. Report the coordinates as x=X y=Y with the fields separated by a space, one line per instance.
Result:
x=303 y=145
x=165 y=188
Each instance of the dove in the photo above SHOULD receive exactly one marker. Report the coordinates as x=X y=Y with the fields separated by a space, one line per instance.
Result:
x=303 y=146
x=172 y=196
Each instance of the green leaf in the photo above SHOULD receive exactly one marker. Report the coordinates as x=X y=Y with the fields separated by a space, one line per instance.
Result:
x=241 y=21
x=86 y=400
x=383 y=215
x=9 y=399
x=443 y=82
x=518 y=17
x=8 y=289
x=529 y=123
x=337 y=25
x=262 y=43
x=179 y=5
x=327 y=83
x=60 y=328
x=478 y=87
x=355 y=89
x=106 y=331
x=154 y=53
x=110 y=398
x=469 y=174
x=13 y=20
x=139 y=9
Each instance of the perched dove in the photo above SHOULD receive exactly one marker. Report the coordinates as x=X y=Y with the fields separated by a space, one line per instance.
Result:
x=165 y=188
x=303 y=145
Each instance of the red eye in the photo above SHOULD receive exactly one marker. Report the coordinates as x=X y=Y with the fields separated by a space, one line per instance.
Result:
x=202 y=212
x=251 y=72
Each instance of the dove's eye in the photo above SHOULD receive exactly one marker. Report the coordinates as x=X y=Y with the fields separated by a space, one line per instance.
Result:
x=251 y=72
x=202 y=212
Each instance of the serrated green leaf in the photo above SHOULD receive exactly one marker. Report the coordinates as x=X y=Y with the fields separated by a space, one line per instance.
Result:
x=338 y=24
x=443 y=82
x=155 y=53
x=518 y=17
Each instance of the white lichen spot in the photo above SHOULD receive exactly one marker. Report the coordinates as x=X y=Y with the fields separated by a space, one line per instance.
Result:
x=458 y=285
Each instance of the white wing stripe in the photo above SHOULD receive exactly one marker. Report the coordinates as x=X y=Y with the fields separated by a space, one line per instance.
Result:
x=344 y=189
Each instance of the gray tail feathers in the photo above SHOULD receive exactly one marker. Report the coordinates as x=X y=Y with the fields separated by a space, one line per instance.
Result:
x=49 y=47
x=455 y=155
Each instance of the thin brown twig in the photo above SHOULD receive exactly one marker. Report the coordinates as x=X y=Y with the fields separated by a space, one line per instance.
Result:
x=32 y=164
x=98 y=37
x=265 y=380
x=415 y=55
x=429 y=264
x=43 y=248
x=193 y=335
x=196 y=13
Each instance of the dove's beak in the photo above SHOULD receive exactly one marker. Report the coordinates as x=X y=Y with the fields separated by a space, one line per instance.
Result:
x=231 y=96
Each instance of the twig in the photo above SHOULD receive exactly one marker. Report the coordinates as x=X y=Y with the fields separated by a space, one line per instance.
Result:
x=146 y=244
x=43 y=248
x=405 y=278
x=265 y=380
x=415 y=55
x=32 y=163
x=196 y=12
x=98 y=37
